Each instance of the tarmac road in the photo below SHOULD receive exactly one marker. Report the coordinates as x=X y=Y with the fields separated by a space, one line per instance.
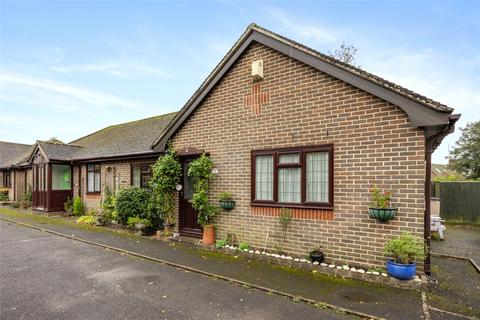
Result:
x=43 y=276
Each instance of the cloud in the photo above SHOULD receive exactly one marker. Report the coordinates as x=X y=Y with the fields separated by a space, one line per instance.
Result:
x=312 y=32
x=13 y=83
x=433 y=74
x=115 y=68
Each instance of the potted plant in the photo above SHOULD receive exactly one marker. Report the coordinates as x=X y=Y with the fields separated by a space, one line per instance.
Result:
x=201 y=170
x=380 y=208
x=138 y=223
x=168 y=213
x=226 y=201
x=316 y=255
x=404 y=250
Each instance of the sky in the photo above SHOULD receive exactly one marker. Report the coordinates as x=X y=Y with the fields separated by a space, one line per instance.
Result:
x=70 y=68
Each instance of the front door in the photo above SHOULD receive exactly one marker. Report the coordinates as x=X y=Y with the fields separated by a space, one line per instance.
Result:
x=188 y=225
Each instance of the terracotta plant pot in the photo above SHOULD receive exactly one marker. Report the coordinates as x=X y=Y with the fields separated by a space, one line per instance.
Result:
x=208 y=234
x=167 y=229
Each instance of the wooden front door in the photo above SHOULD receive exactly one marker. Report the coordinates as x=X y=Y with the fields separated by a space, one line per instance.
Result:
x=187 y=220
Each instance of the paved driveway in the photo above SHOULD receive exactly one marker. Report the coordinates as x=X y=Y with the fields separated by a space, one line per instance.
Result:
x=43 y=276
x=460 y=240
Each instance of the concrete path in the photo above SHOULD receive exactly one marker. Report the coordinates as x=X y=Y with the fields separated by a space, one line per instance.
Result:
x=369 y=298
x=44 y=276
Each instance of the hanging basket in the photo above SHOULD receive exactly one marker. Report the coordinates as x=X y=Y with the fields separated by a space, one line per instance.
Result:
x=382 y=214
x=227 y=204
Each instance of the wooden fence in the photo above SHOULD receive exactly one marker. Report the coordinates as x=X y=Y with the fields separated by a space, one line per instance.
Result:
x=459 y=201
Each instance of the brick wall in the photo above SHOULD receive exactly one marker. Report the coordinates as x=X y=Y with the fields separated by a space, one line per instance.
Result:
x=115 y=172
x=373 y=144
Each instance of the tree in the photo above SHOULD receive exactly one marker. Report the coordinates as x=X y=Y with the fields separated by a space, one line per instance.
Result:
x=345 y=53
x=465 y=156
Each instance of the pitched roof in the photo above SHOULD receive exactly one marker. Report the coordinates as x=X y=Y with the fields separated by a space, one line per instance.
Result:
x=12 y=153
x=421 y=110
x=129 y=138
x=56 y=150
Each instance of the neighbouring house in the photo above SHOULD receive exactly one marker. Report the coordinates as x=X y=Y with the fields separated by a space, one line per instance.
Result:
x=114 y=157
x=15 y=172
x=442 y=171
x=289 y=127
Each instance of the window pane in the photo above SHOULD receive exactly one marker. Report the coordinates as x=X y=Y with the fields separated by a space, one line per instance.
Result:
x=90 y=179
x=187 y=183
x=41 y=178
x=289 y=185
x=136 y=176
x=97 y=181
x=264 y=177
x=60 y=177
x=317 y=177
x=90 y=167
x=289 y=158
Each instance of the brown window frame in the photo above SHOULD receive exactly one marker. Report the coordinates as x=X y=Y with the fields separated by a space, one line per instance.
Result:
x=141 y=166
x=7 y=178
x=95 y=171
x=302 y=151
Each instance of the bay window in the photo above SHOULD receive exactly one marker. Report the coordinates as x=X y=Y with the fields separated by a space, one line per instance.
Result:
x=293 y=177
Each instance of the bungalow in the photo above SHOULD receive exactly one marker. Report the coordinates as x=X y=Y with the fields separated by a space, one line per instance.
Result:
x=286 y=127
x=290 y=127
x=114 y=157
x=15 y=172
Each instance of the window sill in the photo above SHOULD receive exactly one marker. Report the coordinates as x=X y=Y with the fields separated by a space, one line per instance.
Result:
x=292 y=205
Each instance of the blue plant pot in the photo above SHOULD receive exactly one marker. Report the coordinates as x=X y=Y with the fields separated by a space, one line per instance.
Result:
x=401 y=271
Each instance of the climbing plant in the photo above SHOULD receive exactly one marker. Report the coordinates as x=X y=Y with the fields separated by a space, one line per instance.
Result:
x=166 y=174
x=201 y=171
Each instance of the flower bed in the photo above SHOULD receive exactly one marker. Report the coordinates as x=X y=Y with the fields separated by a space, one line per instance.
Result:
x=344 y=271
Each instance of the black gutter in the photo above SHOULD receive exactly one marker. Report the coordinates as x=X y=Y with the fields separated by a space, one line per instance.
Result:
x=433 y=138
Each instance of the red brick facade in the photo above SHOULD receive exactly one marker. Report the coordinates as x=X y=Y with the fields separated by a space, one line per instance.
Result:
x=374 y=144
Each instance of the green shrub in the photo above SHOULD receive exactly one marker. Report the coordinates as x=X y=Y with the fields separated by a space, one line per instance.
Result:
x=78 y=207
x=406 y=248
x=243 y=245
x=68 y=206
x=108 y=207
x=132 y=221
x=16 y=205
x=90 y=220
x=26 y=201
x=3 y=194
x=132 y=202
x=220 y=243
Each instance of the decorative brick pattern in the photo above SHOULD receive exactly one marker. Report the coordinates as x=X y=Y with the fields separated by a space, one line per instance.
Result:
x=373 y=144
x=297 y=213
x=256 y=98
